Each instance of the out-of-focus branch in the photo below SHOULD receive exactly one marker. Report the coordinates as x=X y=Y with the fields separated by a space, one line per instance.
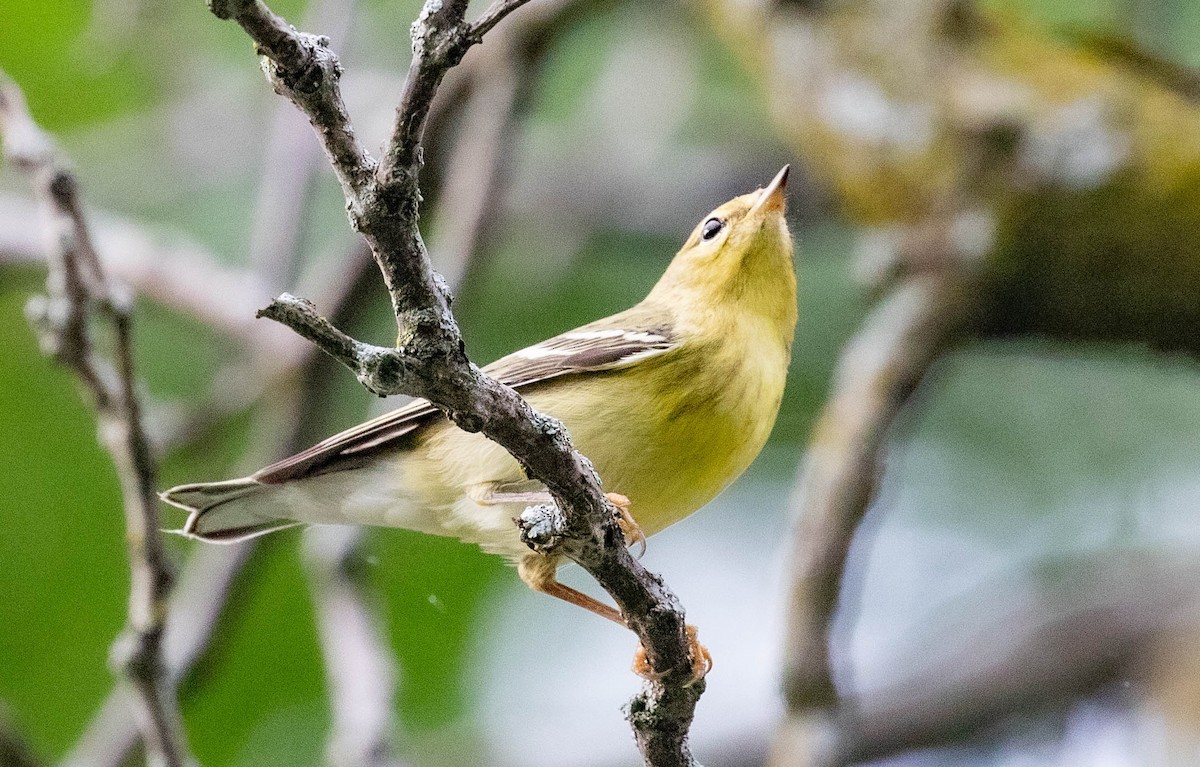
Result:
x=358 y=661
x=288 y=164
x=1071 y=140
x=178 y=274
x=15 y=750
x=359 y=667
x=198 y=603
x=430 y=360
x=77 y=287
x=283 y=197
x=1099 y=624
x=878 y=370
x=303 y=68
x=196 y=607
x=500 y=76
x=470 y=184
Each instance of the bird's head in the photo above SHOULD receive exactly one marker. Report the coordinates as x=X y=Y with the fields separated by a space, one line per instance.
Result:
x=740 y=255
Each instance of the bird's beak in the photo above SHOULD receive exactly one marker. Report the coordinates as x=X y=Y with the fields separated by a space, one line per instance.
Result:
x=772 y=198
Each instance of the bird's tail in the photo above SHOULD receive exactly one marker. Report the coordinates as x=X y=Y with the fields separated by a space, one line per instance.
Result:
x=230 y=511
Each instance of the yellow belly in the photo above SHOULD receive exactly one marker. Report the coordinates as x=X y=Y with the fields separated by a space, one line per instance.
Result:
x=670 y=442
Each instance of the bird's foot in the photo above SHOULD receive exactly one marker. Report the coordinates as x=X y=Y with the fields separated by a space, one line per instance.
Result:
x=629 y=526
x=698 y=654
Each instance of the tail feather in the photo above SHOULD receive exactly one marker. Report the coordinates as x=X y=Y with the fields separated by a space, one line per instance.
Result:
x=227 y=512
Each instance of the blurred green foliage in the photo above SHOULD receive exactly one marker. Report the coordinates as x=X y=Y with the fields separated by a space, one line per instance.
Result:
x=64 y=571
x=69 y=86
x=259 y=697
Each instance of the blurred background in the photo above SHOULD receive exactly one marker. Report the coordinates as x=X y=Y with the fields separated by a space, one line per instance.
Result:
x=1022 y=587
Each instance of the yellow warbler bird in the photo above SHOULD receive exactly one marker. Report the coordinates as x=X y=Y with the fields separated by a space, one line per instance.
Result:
x=671 y=400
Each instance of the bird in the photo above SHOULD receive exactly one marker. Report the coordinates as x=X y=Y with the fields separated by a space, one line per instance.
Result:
x=671 y=400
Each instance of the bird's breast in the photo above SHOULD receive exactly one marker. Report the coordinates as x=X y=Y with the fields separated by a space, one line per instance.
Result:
x=669 y=433
x=672 y=439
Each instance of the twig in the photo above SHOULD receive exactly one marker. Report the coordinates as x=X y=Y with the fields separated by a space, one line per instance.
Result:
x=430 y=361
x=440 y=39
x=493 y=16
x=77 y=287
x=878 y=370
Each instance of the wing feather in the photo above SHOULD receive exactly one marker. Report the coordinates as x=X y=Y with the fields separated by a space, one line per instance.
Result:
x=608 y=344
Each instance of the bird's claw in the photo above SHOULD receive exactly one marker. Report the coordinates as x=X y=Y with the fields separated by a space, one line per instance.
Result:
x=629 y=526
x=698 y=655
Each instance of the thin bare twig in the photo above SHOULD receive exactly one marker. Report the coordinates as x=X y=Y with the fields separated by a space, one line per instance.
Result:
x=494 y=14
x=77 y=287
x=430 y=360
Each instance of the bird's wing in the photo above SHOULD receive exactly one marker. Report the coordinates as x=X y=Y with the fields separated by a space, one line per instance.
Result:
x=607 y=344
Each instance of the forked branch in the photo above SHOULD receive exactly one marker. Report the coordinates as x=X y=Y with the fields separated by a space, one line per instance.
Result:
x=429 y=359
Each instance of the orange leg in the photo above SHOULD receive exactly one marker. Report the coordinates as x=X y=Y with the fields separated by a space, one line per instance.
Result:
x=701 y=658
x=540 y=574
x=629 y=526
x=492 y=494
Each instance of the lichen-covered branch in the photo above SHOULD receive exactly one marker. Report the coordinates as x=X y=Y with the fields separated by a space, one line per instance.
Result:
x=78 y=289
x=429 y=359
x=1069 y=142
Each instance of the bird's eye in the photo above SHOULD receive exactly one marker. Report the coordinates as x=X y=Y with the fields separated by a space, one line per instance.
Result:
x=711 y=228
